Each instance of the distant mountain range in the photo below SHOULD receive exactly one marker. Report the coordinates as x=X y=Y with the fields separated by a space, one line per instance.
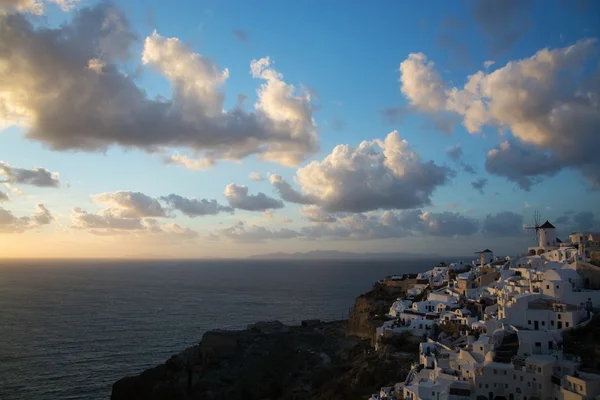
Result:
x=342 y=255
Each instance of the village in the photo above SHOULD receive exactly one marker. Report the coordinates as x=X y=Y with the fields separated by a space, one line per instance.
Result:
x=493 y=329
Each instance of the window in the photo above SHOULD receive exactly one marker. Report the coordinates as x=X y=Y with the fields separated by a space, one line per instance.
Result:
x=515 y=377
x=567 y=324
x=559 y=316
x=539 y=369
x=543 y=323
x=506 y=386
x=494 y=385
x=550 y=344
x=521 y=378
x=557 y=286
x=529 y=322
x=480 y=386
x=486 y=385
x=528 y=384
x=552 y=323
x=548 y=287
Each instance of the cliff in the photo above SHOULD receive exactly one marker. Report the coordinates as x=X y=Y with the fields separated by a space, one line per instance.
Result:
x=370 y=308
x=314 y=361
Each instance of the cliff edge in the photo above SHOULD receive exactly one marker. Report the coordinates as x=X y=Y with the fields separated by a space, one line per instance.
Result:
x=371 y=307
x=270 y=360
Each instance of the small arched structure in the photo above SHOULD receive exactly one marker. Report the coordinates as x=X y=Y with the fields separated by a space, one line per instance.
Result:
x=540 y=252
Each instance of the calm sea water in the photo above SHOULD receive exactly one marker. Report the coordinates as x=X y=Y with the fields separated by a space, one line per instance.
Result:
x=70 y=329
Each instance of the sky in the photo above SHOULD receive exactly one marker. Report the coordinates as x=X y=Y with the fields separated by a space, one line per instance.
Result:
x=194 y=129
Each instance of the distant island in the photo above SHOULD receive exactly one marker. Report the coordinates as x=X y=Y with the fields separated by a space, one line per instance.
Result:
x=342 y=255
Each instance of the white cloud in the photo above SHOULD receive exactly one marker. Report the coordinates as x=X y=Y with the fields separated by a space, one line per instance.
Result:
x=257 y=177
x=128 y=204
x=36 y=177
x=4 y=196
x=391 y=224
x=422 y=84
x=34 y=6
x=316 y=214
x=198 y=164
x=11 y=224
x=362 y=226
x=241 y=233
x=238 y=197
x=67 y=89
x=127 y=220
x=549 y=102
x=378 y=174
x=194 y=207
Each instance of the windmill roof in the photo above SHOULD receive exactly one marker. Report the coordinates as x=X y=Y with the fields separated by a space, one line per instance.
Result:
x=547 y=225
x=485 y=251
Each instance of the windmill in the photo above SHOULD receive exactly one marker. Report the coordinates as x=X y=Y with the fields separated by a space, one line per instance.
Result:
x=536 y=226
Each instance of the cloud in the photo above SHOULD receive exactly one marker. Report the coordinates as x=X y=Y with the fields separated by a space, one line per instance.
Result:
x=194 y=207
x=240 y=35
x=394 y=115
x=548 y=102
x=4 y=196
x=521 y=164
x=503 y=224
x=391 y=224
x=108 y=222
x=378 y=174
x=36 y=177
x=338 y=124
x=503 y=22
x=422 y=84
x=288 y=193
x=316 y=214
x=585 y=220
x=68 y=92
x=479 y=184
x=488 y=64
x=42 y=216
x=105 y=220
x=362 y=226
x=35 y=7
x=199 y=164
x=130 y=205
x=11 y=224
x=240 y=232
x=238 y=197
x=562 y=220
x=455 y=153
x=257 y=177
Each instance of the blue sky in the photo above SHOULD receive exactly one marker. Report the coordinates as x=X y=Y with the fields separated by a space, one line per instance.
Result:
x=347 y=56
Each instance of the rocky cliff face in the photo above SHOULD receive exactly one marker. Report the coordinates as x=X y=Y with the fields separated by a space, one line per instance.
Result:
x=369 y=309
x=270 y=361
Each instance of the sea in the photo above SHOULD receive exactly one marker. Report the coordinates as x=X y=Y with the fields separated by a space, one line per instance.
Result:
x=70 y=329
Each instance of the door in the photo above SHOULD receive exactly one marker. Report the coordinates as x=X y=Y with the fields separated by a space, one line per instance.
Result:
x=536 y=325
x=559 y=324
